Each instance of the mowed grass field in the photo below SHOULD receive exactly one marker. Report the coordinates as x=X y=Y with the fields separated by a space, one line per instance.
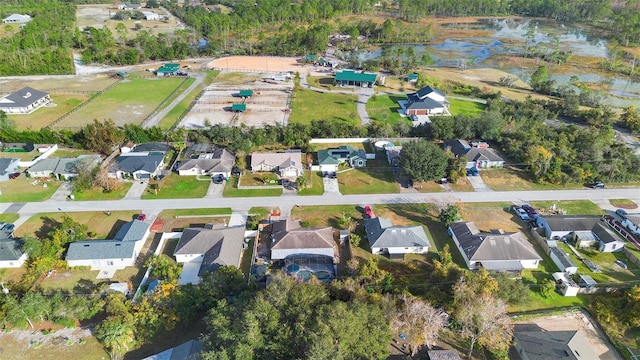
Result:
x=130 y=101
x=99 y=222
x=309 y=105
x=46 y=115
x=22 y=189
x=385 y=108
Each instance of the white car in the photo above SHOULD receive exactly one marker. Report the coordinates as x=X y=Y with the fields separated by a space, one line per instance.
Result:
x=521 y=213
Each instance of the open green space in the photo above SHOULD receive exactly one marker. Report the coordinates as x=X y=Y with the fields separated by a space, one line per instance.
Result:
x=194 y=212
x=130 y=101
x=104 y=224
x=325 y=82
x=175 y=186
x=514 y=179
x=315 y=184
x=610 y=272
x=623 y=203
x=259 y=179
x=309 y=105
x=384 y=107
x=376 y=178
x=173 y=116
x=9 y=218
x=46 y=115
x=98 y=193
x=465 y=107
x=23 y=156
x=573 y=207
x=231 y=190
x=23 y=189
x=17 y=347
x=71 y=153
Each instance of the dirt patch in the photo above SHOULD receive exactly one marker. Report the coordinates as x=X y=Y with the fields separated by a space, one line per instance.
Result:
x=491 y=218
x=259 y=64
x=580 y=322
x=75 y=343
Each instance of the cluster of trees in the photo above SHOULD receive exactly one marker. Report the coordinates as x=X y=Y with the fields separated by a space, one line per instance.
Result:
x=618 y=311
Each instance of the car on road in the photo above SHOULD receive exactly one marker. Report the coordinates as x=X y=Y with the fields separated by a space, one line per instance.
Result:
x=141 y=217
x=621 y=212
x=521 y=213
x=597 y=185
x=621 y=264
x=218 y=179
x=530 y=211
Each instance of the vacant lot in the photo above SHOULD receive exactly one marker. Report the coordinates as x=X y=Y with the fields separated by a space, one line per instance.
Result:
x=385 y=108
x=98 y=193
x=105 y=226
x=175 y=186
x=98 y=16
x=15 y=345
x=175 y=220
x=370 y=180
x=334 y=106
x=315 y=185
x=129 y=102
x=22 y=189
x=511 y=178
x=464 y=107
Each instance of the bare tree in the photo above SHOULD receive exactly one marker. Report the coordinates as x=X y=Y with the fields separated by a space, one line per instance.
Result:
x=419 y=321
x=483 y=318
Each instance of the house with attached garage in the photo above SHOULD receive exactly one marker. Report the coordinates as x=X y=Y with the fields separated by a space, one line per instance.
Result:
x=110 y=255
x=290 y=238
x=205 y=249
x=8 y=166
x=24 y=101
x=137 y=165
x=478 y=154
x=11 y=255
x=395 y=241
x=330 y=159
x=217 y=161
x=586 y=231
x=286 y=164
x=494 y=250
x=61 y=168
x=426 y=101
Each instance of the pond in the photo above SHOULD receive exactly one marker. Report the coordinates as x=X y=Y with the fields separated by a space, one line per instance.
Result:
x=500 y=36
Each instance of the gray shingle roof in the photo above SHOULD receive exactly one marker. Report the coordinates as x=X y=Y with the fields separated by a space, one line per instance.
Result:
x=100 y=250
x=456 y=146
x=281 y=160
x=563 y=257
x=220 y=160
x=415 y=103
x=475 y=154
x=480 y=246
x=554 y=345
x=152 y=146
x=132 y=231
x=443 y=355
x=571 y=223
x=382 y=234
x=426 y=91
x=129 y=163
x=220 y=246
x=8 y=165
x=48 y=165
x=604 y=233
x=289 y=234
x=10 y=249
x=22 y=98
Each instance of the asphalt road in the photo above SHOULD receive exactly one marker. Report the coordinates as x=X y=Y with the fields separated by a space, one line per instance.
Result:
x=331 y=199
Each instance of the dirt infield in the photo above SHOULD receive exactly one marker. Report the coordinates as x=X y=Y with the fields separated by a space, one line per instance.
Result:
x=259 y=64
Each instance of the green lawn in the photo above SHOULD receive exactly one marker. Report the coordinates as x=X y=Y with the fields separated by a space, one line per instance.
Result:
x=314 y=183
x=259 y=179
x=71 y=152
x=247 y=255
x=369 y=180
x=130 y=101
x=230 y=190
x=46 y=115
x=98 y=193
x=101 y=223
x=309 y=105
x=321 y=81
x=385 y=108
x=22 y=189
x=514 y=179
x=194 y=212
x=9 y=218
x=465 y=107
x=623 y=203
x=574 y=207
x=175 y=186
x=24 y=156
x=605 y=261
x=170 y=120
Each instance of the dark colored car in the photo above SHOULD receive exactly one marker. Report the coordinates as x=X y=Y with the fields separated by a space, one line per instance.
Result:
x=473 y=172
x=235 y=171
x=141 y=217
x=530 y=211
x=8 y=227
x=621 y=212
x=218 y=179
x=14 y=175
x=597 y=185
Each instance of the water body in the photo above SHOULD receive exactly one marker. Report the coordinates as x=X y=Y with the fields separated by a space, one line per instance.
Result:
x=509 y=36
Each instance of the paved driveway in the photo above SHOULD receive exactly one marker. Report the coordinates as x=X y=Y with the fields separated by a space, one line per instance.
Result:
x=136 y=190
x=215 y=190
x=478 y=184
x=63 y=192
x=331 y=186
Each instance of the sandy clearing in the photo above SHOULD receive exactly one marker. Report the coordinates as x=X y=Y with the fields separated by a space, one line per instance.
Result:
x=259 y=64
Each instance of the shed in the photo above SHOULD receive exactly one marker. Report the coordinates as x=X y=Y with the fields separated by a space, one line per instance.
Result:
x=586 y=281
x=412 y=78
x=246 y=93
x=562 y=260
x=239 y=107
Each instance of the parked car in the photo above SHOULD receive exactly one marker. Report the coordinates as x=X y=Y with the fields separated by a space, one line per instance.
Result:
x=621 y=212
x=530 y=211
x=141 y=217
x=218 y=179
x=521 y=213
x=14 y=175
x=235 y=171
x=621 y=264
x=8 y=227
x=473 y=172
x=368 y=211
x=597 y=185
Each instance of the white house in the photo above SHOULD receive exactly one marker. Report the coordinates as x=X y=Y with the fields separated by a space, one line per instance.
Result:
x=395 y=241
x=287 y=164
x=206 y=249
x=137 y=165
x=11 y=255
x=478 y=154
x=290 y=238
x=217 y=162
x=24 y=101
x=494 y=250
x=426 y=101
x=608 y=240
x=17 y=19
x=562 y=260
x=111 y=255
x=150 y=15
x=565 y=285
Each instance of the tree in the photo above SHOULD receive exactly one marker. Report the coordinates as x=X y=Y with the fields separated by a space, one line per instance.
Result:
x=423 y=161
x=539 y=78
x=122 y=31
x=302 y=182
x=547 y=288
x=483 y=318
x=101 y=136
x=116 y=334
x=449 y=215
x=419 y=321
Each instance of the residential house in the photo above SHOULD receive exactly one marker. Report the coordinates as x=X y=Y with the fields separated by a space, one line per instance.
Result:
x=443 y=355
x=61 y=168
x=8 y=166
x=478 y=154
x=353 y=78
x=205 y=249
x=43 y=168
x=532 y=342
x=565 y=284
x=287 y=164
x=217 y=162
x=632 y=222
x=290 y=238
x=150 y=15
x=11 y=255
x=426 y=101
x=24 y=101
x=395 y=241
x=190 y=350
x=608 y=240
x=115 y=254
x=128 y=6
x=562 y=260
x=494 y=250
x=17 y=19
x=330 y=159
x=587 y=231
x=137 y=165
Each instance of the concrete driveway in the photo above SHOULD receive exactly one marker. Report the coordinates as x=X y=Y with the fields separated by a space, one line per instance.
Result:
x=136 y=190
x=331 y=186
x=63 y=192
x=478 y=184
x=215 y=190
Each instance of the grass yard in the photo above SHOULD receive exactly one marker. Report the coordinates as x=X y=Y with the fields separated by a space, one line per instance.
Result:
x=98 y=193
x=235 y=78
x=259 y=179
x=24 y=156
x=355 y=145
x=130 y=101
x=384 y=107
x=429 y=187
x=325 y=82
x=9 y=218
x=315 y=184
x=332 y=106
x=172 y=117
x=513 y=179
x=368 y=181
x=465 y=107
x=492 y=216
x=462 y=185
x=610 y=271
x=16 y=346
x=623 y=203
x=247 y=255
x=194 y=212
x=231 y=190
x=23 y=189
x=175 y=186
x=71 y=152
x=46 y=115
x=105 y=226
x=574 y=207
